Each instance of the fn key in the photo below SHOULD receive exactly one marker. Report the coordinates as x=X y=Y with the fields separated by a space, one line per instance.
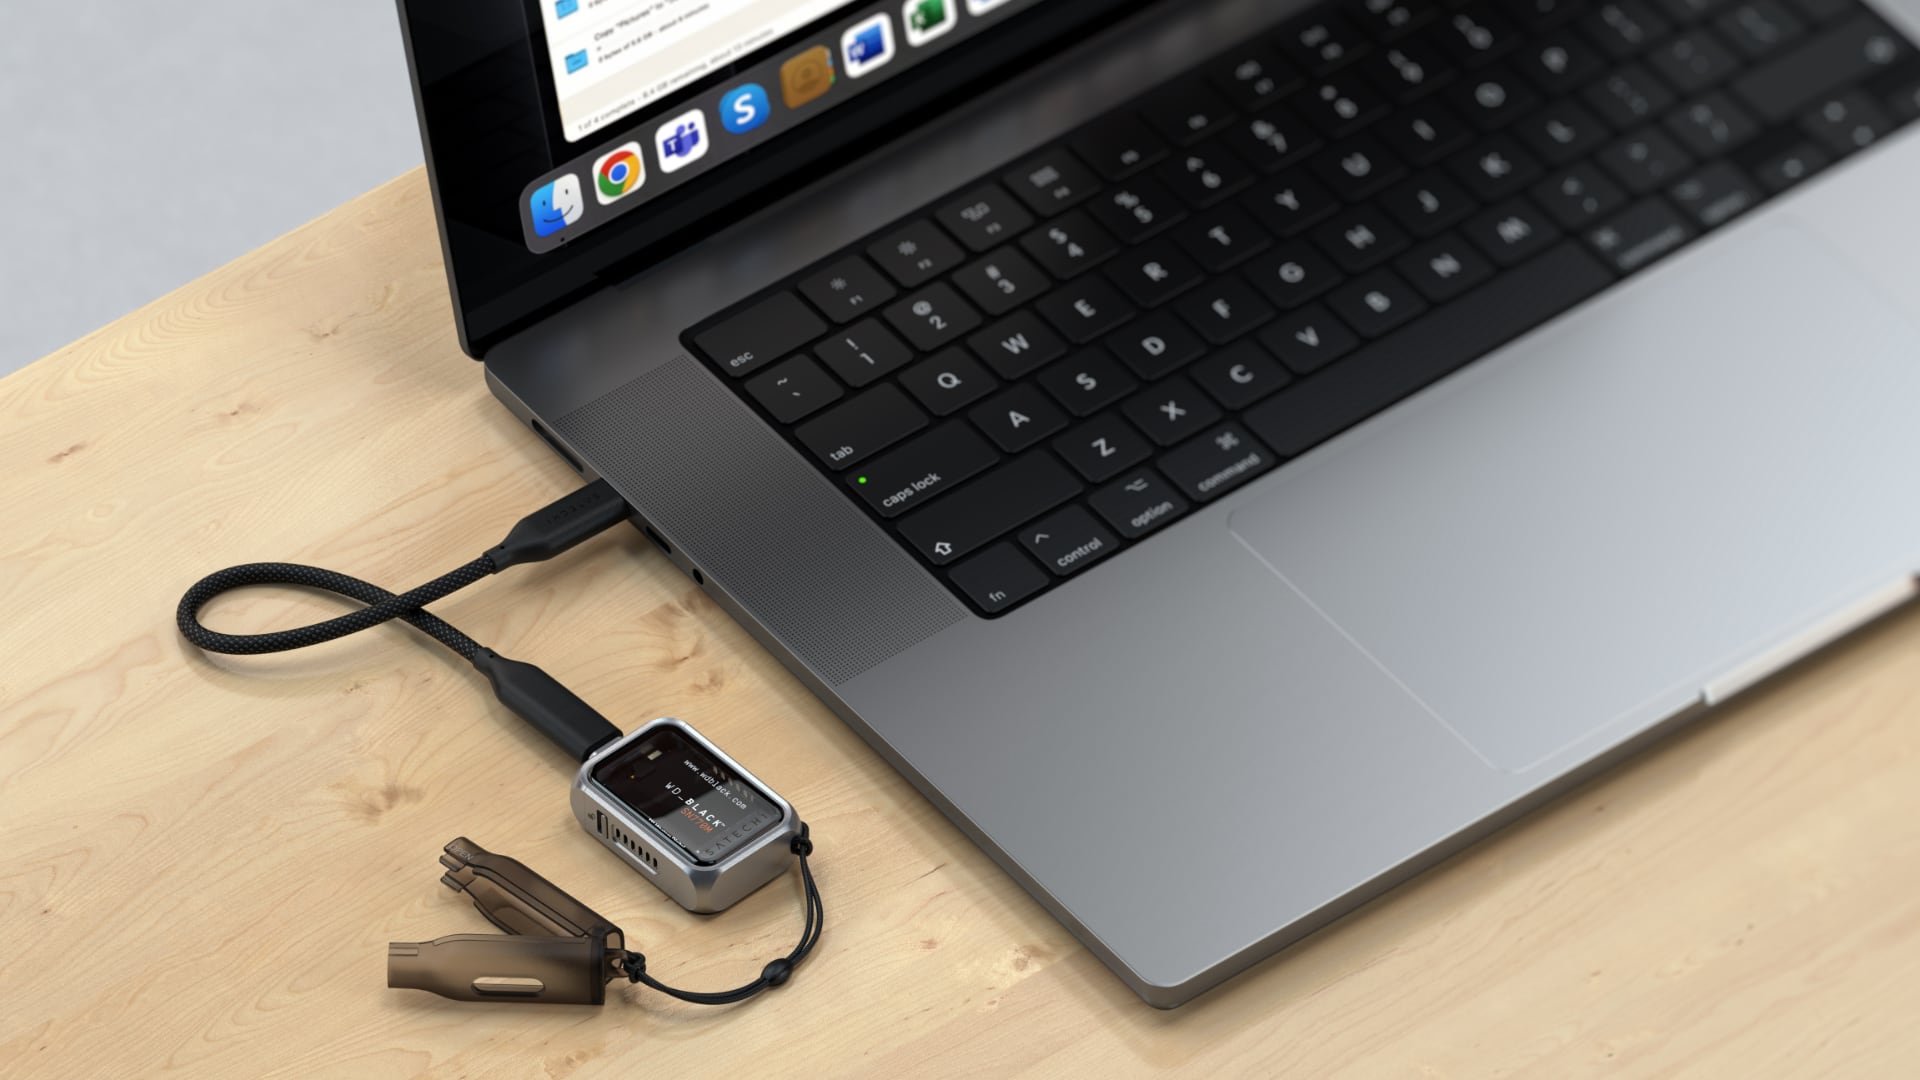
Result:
x=999 y=578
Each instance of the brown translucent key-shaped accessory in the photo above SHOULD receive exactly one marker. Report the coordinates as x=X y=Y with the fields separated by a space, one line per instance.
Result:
x=561 y=951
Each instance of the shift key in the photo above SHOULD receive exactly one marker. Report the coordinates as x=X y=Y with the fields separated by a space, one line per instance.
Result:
x=931 y=465
x=862 y=427
x=990 y=507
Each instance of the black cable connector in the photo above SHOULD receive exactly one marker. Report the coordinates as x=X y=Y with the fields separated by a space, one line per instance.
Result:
x=561 y=526
x=529 y=692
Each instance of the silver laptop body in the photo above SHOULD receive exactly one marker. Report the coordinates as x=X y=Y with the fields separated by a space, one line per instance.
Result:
x=1230 y=735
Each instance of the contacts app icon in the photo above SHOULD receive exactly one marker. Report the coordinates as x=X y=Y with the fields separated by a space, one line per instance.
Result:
x=556 y=205
x=807 y=76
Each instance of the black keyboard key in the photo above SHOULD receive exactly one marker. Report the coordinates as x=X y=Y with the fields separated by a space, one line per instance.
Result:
x=1018 y=418
x=1443 y=269
x=984 y=218
x=1139 y=503
x=1476 y=34
x=1428 y=204
x=1103 y=448
x=1171 y=411
x=1272 y=140
x=932 y=317
x=1001 y=281
x=756 y=336
x=1643 y=233
x=1496 y=168
x=1186 y=112
x=1579 y=196
x=1217 y=462
x=1204 y=175
x=998 y=578
x=1157 y=345
x=948 y=381
x=1069 y=541
x=1358 y=167
x=1693 y=61
x=1782 y=169
x=1624 y=28
x=917 y=472
x=862 y=353
x=1712 y=125
x=1563 y=132
x=1846 y=122
x=1906 y=99
x=1052 y=181
x=1085 y=309
x=1342 y=106
x=1409 y=70
x=1360 y=239
x=1223 y=309
x=1629 y=97
x=1388 y=20
x=1017 y=344
x=1292 y=274
x=1645 y=160
x=1252 y=76
x=862 y=427
x=1291 y=202
x=1558 y=64
x=1088 y=381
x=1848 y=53
x=1376 y=304
x=1119 y=145
x=1320 y=43
x=989 y=508
x=1070 y=245
x=1541 y=14
x=1494 y=98
x=1450 y=337
x=1137 y=209
x=1824 y=10
x=1716 y=195
x=1689 y=11
x=1155 y=273
x=1758 y=27
x=794 y=389
x=1424 y=133
x=1222 y=238
x=1309 y=339
x=1240 y=374
x=847 y=289
x=916 y=254
x=1512 y=232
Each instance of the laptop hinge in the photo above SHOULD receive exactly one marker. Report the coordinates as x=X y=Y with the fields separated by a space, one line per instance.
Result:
x=1820 y=634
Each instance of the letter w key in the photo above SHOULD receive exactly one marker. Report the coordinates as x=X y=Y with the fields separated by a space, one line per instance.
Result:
x=1017 y=345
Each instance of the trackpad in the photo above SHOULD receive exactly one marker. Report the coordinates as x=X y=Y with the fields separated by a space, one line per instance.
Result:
x=1592 y=526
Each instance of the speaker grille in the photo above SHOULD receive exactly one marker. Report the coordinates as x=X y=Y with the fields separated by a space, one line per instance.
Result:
x=762 y=523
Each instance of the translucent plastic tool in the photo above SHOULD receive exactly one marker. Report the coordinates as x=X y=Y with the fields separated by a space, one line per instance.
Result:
x=556 y=949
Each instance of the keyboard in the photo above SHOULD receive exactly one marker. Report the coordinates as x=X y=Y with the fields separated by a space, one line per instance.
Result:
x=1079 y=348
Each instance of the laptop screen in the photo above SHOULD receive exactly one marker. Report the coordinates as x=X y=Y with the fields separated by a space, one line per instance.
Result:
x=573 y=142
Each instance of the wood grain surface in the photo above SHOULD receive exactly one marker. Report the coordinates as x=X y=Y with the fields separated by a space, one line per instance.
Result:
x=201 y=859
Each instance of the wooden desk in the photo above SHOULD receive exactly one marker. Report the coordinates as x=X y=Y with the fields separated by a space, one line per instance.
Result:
x=201 y=860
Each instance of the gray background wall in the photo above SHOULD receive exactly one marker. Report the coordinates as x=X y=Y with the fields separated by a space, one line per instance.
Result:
x=145 y=142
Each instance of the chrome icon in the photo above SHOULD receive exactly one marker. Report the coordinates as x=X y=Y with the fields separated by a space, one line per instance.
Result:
x=618 y=173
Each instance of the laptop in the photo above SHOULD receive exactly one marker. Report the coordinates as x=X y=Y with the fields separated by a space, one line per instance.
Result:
x=1228 y=454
